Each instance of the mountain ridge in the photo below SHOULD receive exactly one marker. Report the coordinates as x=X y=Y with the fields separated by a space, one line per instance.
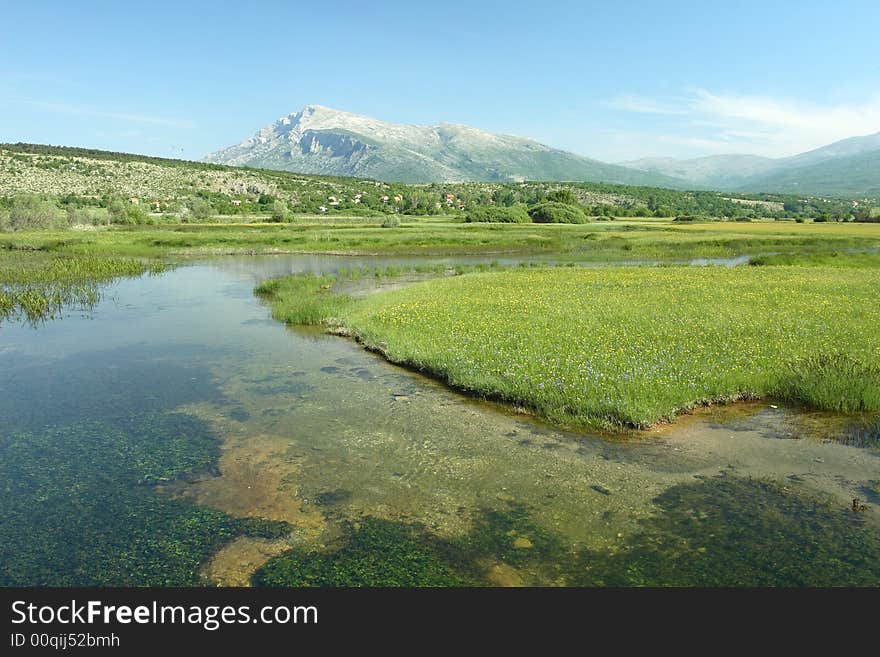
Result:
x=835 y=168
x=324 y=141
x=321 y=140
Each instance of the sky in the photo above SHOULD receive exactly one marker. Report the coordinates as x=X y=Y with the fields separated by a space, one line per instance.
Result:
x=610 y=80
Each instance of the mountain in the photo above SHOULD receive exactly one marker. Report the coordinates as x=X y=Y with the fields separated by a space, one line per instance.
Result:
x=325 y=141
x=839 y=149
x=849 y=176
x=850 y=167
x=706 y=171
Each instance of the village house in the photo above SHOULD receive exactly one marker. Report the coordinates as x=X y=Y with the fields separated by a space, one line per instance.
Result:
x=236 y=202
x=133 y=200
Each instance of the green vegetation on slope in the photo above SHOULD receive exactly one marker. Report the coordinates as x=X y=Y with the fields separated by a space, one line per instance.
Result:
x=853 y=176
x=79 y=186
x=620 y=347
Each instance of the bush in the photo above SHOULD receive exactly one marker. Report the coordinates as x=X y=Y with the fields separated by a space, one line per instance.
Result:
x=87 y=216
x=515 y=214
x=391 y=222
x=565 y=196
x=29 y=211
x=201 y=210
x=553 y=212
x=126 y=213
x=280 y=211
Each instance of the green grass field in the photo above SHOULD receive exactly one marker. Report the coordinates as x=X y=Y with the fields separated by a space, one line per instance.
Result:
x=623 y=347
x=620 y=240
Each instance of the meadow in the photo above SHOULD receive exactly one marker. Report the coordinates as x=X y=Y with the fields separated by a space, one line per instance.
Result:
x=630 y=239
x=619 y=347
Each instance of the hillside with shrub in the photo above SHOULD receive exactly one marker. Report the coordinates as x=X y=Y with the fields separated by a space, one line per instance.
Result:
x=52 y=187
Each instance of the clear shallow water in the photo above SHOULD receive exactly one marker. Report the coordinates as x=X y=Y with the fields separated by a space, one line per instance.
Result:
x=292 y=425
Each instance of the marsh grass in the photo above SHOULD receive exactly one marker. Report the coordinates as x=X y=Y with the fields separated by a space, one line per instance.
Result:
x=36 y=287
x=831 y=382
x=623 y=239
x=304 y=299
x=867 y=259
x=616 y=348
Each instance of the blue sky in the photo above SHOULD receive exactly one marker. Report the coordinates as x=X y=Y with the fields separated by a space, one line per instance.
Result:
x=611 y=80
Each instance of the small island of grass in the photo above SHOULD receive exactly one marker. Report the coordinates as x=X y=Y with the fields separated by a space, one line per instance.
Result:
x=621 y=347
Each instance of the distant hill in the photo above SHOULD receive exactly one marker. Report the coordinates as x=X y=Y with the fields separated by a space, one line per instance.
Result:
x=320 y=140
x=849 y=176
x=714 y=170
x=850 y=167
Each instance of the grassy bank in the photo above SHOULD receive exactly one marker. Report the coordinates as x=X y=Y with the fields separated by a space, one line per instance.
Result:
x=616 y=347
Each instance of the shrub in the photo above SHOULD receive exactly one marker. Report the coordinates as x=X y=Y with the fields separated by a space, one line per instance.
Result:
x=391 y=222
x=125 y=213
x=280 y=211
x=201 y=210
x=515 y=214
x=565 y=196
x=30 y=211
x=87 y=216
x=553 y=212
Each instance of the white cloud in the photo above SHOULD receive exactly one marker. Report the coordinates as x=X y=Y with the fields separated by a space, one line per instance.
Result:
x=93 y=111
x=759 y=124
x=648 y=105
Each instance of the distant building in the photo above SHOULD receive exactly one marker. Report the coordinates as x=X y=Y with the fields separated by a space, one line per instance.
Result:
x=133 y=200
x=236 y=202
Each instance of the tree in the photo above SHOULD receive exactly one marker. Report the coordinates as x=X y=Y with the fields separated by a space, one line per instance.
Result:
x=201 y=209
x=280 y=211
x=28 y=211
x=563 y=196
